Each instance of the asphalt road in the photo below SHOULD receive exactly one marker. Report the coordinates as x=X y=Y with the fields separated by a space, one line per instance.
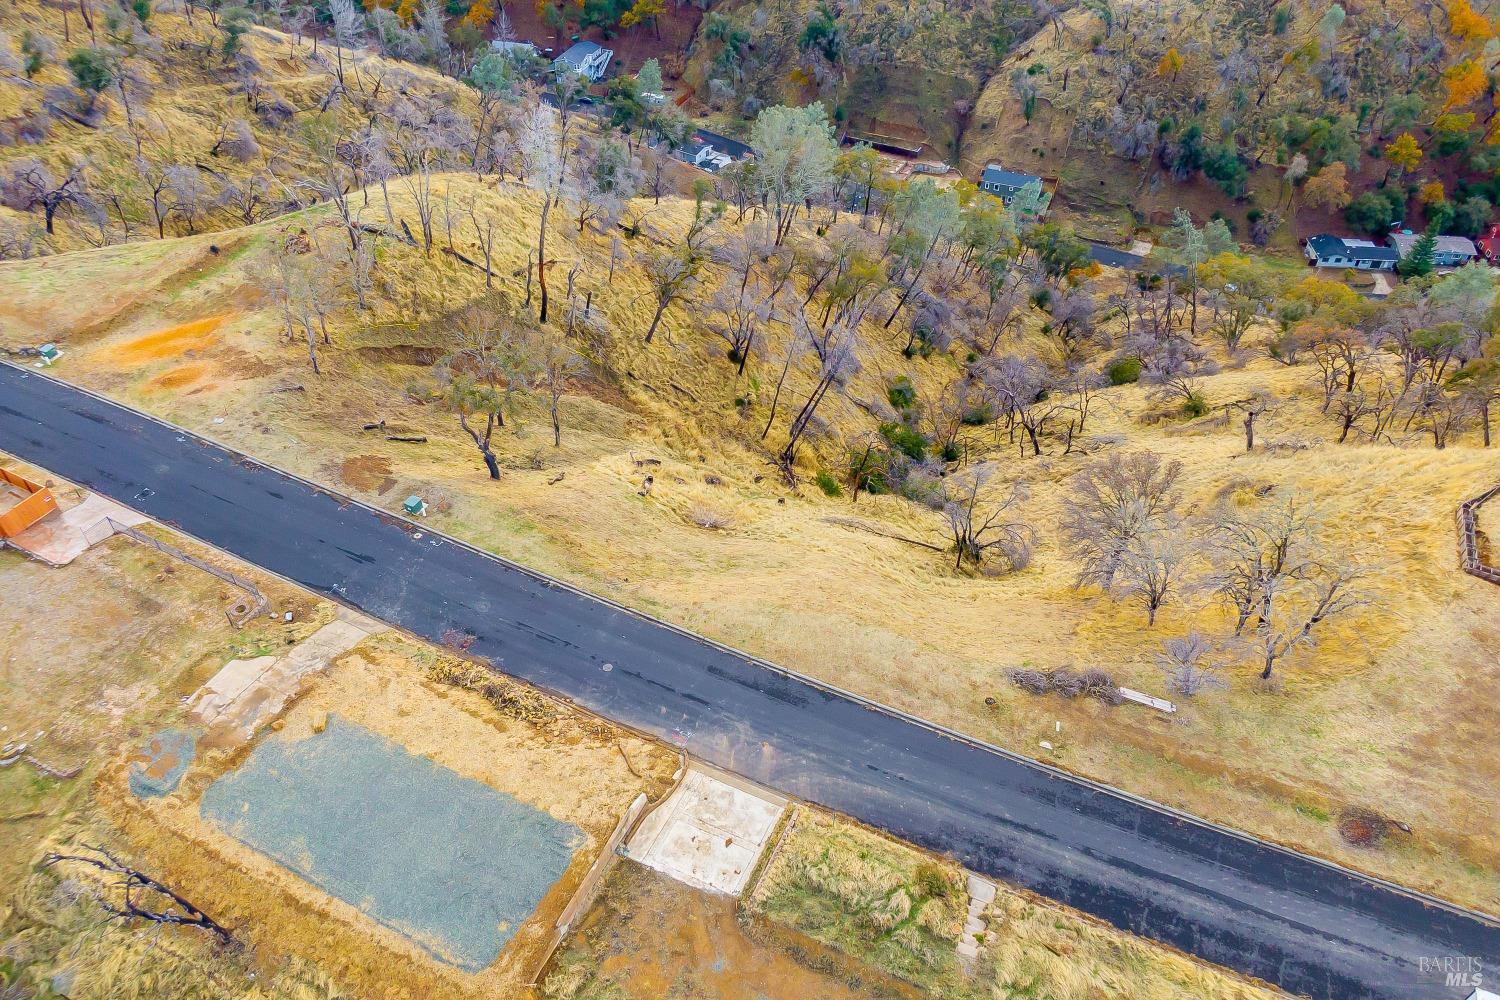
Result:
x=1110 y=257
x=1308 y=927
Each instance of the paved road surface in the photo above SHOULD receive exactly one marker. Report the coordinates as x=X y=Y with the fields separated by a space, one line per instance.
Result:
x=1308 y=927
x=1110 y=257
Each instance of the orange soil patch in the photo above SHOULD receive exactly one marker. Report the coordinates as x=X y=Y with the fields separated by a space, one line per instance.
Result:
x=182 y=375
x=368 y=473
x=172 y=342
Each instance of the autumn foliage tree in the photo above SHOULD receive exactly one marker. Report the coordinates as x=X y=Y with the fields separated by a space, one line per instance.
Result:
x=1170 y=64
x=480 y=15
x=1404 y=153
x=1328 y=188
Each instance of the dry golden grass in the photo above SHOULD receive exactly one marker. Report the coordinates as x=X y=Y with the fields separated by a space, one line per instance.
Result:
x=1382 y=713
x=189 y=89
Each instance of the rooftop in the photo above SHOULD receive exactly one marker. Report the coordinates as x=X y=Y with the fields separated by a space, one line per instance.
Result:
x=1328 y=245
x=996 y=174
x=1445 y=244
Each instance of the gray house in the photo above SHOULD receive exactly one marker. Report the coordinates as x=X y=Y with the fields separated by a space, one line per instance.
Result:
x=1450 y=251
x=588 y=59
x=1006 y=184
x=1324 y=250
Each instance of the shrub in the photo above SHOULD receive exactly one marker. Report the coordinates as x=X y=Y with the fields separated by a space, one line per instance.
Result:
x=921 y=486
x=1093 y=682
x=901 y=393
x=950 y=452
x=1125 y=371
x=905 y=439
x=978 y=416
x=931 y=881
x=828 y=484
x=1195 y=406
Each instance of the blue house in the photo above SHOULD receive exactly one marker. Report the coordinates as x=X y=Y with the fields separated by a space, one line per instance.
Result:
x=1006 y=184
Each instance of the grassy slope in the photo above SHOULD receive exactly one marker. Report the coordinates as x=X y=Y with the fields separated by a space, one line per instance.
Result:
x=902 y=911
x=189 y=89
x=1381 y=713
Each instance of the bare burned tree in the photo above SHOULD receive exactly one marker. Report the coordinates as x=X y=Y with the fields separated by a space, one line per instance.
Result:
x=1349 y=408
x=554 y=363
x=1256 y=406
x=1156 y=561
x=671 y=272
x=837 y=350
x=1323 y=593
x=141 y=897
x=1176 y=367
x=976 y=520
x=1184 y=663
x=29 y=184
x=1115 y=501
x=1258 y=555
x=1018 y=388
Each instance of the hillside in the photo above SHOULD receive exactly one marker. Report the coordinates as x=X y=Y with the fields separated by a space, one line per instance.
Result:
x=876 y=68
x=189 y=333
x=1233 y=107
x=892 y=435
x=184 y=136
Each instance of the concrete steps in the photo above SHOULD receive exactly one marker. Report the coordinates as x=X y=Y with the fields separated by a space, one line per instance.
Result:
x=976 y=924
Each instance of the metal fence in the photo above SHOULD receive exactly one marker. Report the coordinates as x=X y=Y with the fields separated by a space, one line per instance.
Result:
x=1468 y=538
x=234 y=579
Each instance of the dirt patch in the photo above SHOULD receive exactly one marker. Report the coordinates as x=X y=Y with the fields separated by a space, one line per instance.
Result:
x=1363 y=827
x=179 y=377
x=172 y=342
x=402 y=354
x=368 y=473
x=650 y=936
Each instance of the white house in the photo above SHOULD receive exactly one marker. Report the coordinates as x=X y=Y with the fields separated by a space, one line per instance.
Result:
x=587 y=59
x=704 y=156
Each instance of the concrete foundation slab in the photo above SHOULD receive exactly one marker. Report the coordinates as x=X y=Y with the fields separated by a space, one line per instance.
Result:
x=246 y=694
x=709 y=833
x=59 y=539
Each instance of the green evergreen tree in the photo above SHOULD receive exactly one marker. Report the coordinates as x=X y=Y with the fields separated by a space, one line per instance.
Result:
x=1421 y=259
x=91 y=71
x=649 y=78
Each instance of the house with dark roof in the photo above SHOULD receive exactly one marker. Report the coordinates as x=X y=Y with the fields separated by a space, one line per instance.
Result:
x=1006 y=184
x=711 y=151
x=1448 y=251
x=588 y=59
x=1325 y=250
x=703 y=156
